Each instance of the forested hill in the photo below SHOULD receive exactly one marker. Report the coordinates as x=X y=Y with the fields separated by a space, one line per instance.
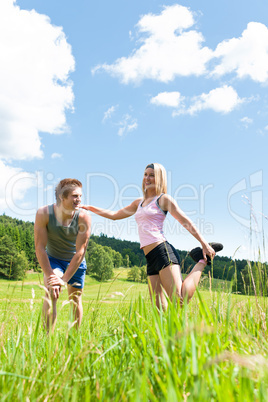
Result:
x=17 y=253
x=16 y=241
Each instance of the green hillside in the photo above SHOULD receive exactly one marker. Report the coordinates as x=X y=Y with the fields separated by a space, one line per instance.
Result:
x=18 y=255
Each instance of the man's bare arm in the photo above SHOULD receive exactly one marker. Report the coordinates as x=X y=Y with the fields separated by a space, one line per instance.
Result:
x=40 y=238
x=81 y=246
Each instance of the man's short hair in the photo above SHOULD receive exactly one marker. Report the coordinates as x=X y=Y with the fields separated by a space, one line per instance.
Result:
x=64 y=187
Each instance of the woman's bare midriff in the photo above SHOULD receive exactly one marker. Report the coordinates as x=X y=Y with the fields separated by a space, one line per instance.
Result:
x=150 y=247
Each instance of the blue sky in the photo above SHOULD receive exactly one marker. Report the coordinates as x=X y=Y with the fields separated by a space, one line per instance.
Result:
x=97 y=90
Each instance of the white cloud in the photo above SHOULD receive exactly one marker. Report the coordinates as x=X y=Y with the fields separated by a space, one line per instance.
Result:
x=55 y=155
x=247 y=55
x=170 y=99
x=246 y=121
x=36 y=61
x=14 y=184
x=169 y=46
x=221 y=100
x=127 y=124
x=166 y=49
x=108 y=114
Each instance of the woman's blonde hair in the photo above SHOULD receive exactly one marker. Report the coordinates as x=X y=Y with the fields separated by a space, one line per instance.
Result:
x=160 y=179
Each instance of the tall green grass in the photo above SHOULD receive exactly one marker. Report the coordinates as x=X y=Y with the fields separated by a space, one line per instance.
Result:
x=214 y=349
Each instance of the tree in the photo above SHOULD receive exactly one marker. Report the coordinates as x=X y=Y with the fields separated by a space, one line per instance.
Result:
x=29 y=245
x=89 y=253
x=134 y=274
x=137 y=274
x=21 y=265
x=16 y=238
x=143 y=273
x=133 y=258
x=251 y=278
x=109 y=250
x=12 y=263
x=117 y=259
x=2 y=229
x=101 y=264
x=126 y=261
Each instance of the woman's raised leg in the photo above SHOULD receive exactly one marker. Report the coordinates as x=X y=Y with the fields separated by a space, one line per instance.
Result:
x=190 y=283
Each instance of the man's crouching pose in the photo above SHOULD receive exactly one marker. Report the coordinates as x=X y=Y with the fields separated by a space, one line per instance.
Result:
x=62 y=232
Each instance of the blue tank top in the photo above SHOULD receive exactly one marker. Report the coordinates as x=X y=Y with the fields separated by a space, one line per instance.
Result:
x=61 y=240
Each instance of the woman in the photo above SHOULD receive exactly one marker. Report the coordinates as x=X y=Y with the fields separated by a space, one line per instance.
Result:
x=163 y=262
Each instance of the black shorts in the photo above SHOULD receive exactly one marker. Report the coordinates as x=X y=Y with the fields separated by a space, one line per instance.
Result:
x=161 y=257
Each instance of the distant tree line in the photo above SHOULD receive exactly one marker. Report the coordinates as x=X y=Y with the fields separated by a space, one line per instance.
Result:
x=17 y=255
x=130 y=251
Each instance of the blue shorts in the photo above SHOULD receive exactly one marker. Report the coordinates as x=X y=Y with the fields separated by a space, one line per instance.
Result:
x=78 y=279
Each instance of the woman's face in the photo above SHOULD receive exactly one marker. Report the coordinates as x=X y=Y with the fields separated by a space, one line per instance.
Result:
x=149 y=179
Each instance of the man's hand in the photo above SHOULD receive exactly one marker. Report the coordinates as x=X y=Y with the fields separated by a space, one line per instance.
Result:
x=54 y=285
x=54 y=291
x=55 y=280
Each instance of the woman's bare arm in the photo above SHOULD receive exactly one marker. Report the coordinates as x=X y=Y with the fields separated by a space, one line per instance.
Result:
x=114 y=215
x=167 y=203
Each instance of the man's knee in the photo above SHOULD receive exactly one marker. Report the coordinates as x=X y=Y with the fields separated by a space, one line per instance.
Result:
x=76 y=296
x=52 y=295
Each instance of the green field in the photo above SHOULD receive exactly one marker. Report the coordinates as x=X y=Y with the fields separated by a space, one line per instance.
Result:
x=214 y=349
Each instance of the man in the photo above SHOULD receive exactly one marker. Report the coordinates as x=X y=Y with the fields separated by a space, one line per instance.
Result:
x=62 y=232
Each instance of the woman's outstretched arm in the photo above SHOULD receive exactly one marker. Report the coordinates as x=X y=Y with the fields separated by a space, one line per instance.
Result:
x=114 y=215
x=167 y=203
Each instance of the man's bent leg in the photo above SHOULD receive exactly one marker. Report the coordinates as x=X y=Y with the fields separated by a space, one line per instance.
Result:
x=75 y=295
x=49 y=313
x=50 y=306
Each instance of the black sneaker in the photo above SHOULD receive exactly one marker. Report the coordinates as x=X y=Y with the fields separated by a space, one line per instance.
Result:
x=197 y=253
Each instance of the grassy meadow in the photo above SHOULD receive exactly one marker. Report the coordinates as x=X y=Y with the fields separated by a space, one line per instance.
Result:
x=214 y=349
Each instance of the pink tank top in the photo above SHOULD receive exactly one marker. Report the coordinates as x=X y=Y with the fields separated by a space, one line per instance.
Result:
x=150 y=220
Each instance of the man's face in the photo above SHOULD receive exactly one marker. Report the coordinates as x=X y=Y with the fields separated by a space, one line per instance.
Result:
x=73 y=200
